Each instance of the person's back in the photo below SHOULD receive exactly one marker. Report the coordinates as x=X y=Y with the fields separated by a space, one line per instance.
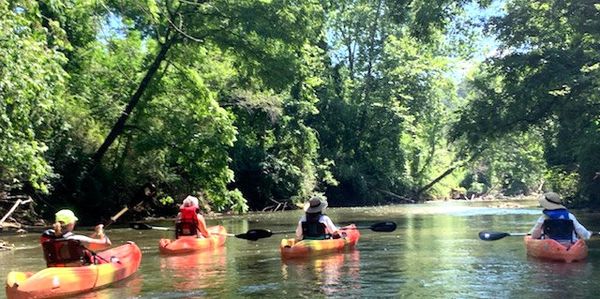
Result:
x=314 y=224
x=557 y=223
x=189 y=222
x=313 y=227
x=63 y=248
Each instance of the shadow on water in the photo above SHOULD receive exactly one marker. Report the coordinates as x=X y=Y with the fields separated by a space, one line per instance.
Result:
x=434 y=253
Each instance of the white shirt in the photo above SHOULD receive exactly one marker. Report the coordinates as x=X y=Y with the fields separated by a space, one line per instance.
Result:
x=330 y=228
x=582 y=232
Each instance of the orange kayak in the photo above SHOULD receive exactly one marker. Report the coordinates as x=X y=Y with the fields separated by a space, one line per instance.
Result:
x=292 y=249
x=65 y=281
x=194 y=244
x=552 y=250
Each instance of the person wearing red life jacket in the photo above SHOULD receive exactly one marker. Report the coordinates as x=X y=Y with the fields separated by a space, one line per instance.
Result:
x=189 y=222
x=63 y=248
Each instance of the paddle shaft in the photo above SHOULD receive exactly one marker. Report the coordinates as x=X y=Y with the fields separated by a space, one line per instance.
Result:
x=143 y=226
x=493 y=236
x=255 y=234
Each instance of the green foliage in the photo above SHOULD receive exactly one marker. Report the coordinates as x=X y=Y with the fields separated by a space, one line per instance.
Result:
x=546 y=81
x=32 y=84
x=563 y=182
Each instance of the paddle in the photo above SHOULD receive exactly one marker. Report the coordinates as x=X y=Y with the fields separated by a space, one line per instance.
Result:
x=147 y=192
x=493 y=236
x=144 y=226
x=255 y=234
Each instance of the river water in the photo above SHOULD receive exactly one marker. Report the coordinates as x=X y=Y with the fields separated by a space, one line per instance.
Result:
x=434 y=253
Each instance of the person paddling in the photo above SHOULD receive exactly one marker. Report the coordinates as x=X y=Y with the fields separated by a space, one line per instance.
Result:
x=557 y=223
x=63 y=248
x=314 y=225
x=189 y=221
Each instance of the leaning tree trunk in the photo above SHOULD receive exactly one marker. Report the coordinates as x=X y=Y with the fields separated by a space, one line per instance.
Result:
x=446 y=173
x=117 y=129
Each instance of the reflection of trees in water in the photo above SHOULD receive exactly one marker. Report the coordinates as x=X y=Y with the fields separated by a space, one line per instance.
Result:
x=195 y=271
x=127 y=288
x=331 y=274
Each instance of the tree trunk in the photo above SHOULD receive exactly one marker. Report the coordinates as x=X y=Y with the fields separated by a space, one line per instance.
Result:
x=133 y=101
x=446 y=173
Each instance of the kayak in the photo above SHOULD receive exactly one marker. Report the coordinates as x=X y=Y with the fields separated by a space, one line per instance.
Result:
x=191 y=244
x=552 y=250
x=290 y=248
x=66 y=281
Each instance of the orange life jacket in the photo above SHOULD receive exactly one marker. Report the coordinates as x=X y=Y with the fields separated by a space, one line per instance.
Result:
x=63 y=252
x=187 y=225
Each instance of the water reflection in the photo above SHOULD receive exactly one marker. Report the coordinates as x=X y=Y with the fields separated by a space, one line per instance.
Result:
x=434 y=253
x=195 y=271
x=128 y=288
x=332 y=274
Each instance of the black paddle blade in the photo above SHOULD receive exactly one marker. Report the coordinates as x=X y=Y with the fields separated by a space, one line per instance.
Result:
x=383 y=227
x=255 y=234
x=140 y=226
x=492 y=236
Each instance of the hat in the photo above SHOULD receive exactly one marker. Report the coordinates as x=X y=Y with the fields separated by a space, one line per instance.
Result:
x=551 y=201
x=314 y=205
x=190 y=201
x=65 y=216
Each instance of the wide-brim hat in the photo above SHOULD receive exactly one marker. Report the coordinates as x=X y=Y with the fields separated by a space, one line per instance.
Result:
x=551 y=201
x=314 y=205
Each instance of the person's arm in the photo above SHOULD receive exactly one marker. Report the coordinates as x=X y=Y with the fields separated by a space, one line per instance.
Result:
x=202 y=226
x=330 y=227
x=536 y=231
x=299 y=233
x=92 y=243
x=581 y=231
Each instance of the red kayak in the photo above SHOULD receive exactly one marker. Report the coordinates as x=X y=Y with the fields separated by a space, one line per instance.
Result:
x=551 y=250
x=66 y=281
x=194 y=244
x=290 y=248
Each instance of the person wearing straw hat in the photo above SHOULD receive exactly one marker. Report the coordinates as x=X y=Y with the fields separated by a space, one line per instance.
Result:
x=64 y=248
x=555 y=213
x=314 y=225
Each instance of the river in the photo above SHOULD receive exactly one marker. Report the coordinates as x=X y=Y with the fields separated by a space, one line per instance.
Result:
x=434 y=253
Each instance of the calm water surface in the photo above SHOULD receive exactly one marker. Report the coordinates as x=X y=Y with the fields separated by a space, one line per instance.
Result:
x=434 y=253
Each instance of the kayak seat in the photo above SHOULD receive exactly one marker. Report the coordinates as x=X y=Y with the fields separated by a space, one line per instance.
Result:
x=65 y=252
x=558 y=229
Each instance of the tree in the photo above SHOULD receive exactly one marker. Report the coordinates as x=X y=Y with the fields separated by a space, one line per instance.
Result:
x=546 y=79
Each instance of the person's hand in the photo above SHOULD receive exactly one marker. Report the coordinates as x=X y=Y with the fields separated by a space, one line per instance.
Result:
x=99 y=231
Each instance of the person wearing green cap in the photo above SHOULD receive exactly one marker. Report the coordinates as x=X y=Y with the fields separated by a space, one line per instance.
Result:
x=63 y=248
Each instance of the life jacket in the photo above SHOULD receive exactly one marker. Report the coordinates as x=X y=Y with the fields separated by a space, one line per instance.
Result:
x=63 y=252
x=558 y=226
x=187 y=225
x=312 y=229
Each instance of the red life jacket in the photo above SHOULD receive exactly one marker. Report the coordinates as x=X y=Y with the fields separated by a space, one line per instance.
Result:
x=62 y=252
x=187 y=225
